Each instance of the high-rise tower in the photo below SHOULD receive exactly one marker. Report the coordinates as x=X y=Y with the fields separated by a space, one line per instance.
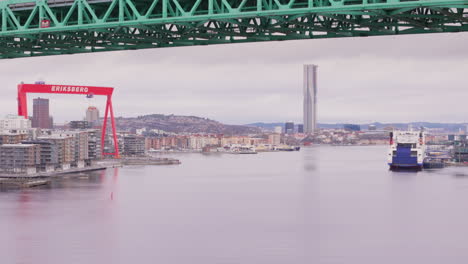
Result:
x=310 y=98
x=92 y=115
x=41 y=118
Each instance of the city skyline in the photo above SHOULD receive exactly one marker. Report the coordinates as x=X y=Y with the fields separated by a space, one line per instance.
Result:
x=361 y=79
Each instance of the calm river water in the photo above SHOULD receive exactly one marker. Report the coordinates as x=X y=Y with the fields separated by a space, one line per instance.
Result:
x=319 y=205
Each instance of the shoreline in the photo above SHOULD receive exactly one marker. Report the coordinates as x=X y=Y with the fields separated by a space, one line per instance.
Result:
x=102 y=165
x=52 y=173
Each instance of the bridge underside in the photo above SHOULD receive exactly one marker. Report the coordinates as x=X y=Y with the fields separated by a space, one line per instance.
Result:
x=53 y=27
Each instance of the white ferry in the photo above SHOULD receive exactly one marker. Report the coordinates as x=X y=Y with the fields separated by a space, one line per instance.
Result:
x=406 y=150
x=242 y=149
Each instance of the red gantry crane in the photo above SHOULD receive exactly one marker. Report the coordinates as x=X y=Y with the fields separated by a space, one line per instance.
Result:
x=89 y=91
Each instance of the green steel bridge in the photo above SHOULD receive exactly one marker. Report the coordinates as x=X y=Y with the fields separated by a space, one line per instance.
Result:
x=52 y=27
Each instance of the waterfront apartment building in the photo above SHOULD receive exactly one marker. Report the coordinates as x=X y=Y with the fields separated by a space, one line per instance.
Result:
x=236 y=140
x=80 y=145
x=310 y=98
x=166 y=142
x=41 y=117
x=12 y=138
x=133 y=145
x=65 y=149
x=48 y=154
x=94 y=144
x=199 y=142
x=19 y=158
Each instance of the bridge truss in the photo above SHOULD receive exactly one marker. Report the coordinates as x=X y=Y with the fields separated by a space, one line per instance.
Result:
x=53 y=27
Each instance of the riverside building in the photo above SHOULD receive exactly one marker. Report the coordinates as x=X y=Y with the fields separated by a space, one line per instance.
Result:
x=134 y=145
x=48 y=154
x=65 y=149
x=19 y=158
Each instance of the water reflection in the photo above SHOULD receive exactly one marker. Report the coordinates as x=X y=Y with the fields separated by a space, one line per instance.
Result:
x=319 y=205
x=310 y=158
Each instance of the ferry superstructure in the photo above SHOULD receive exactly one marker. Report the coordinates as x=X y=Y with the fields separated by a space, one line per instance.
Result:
x=406 y=150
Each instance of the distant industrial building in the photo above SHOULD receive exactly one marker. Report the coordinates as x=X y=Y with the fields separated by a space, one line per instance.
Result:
x=80 y=124
x=310 y=99
x=41 y=117
x=352 y=127
x=92 y=116
x=274 y=139
x=372 y=127
x=289 y=128
x=300 y=128
x=14 y=129
x=14 y=122
x=278 y=129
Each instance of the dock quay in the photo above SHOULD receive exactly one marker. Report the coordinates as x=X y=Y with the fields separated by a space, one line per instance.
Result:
x=98 y=166
x=149 y=161
x=52 y=173
x=18 y=180
x=23 y=182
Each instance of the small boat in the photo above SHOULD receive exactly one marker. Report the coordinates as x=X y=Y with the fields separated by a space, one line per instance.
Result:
x=285 y=148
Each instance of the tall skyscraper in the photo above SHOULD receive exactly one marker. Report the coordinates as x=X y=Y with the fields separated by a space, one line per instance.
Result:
x=92 y=116
x=41 y=118
x=310 y=98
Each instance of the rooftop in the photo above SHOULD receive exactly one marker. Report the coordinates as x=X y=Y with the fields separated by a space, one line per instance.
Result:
x=17 y=145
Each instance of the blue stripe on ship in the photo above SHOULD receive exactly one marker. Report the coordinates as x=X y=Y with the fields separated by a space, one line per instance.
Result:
x=403 y=158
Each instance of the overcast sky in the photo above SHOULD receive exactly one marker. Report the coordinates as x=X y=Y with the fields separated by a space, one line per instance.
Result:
x=386 y=79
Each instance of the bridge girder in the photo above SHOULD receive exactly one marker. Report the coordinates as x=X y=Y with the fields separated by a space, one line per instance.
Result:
x=81 y=26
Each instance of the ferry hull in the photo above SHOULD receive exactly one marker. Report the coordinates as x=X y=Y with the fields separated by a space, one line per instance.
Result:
x=400 y=167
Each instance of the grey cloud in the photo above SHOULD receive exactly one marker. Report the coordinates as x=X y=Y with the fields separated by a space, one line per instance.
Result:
x=396 y=78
